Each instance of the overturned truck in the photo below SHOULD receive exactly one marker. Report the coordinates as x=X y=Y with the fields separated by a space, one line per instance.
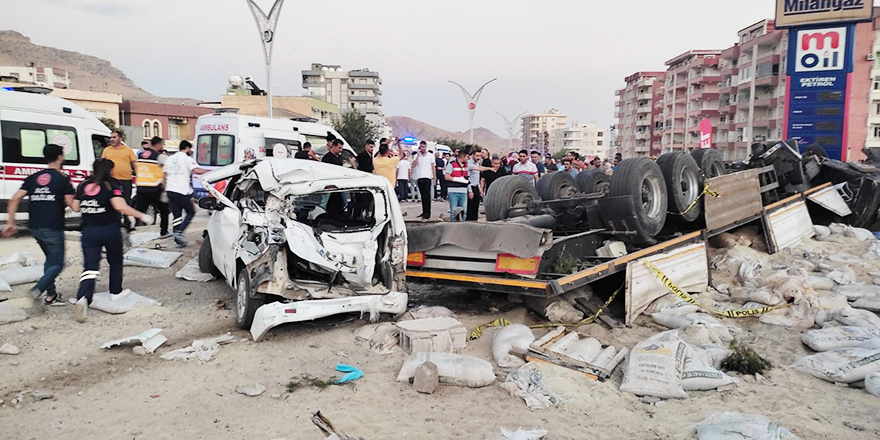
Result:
x=299 y=240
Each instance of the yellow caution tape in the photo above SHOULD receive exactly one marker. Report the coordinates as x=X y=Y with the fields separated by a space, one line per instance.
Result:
x=706 y=191
x=741 y=313
x=585 y=321
x=500 y=322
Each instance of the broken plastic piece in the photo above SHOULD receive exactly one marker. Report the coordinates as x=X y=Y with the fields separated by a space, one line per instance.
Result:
x=150 y=339
x=352 y=373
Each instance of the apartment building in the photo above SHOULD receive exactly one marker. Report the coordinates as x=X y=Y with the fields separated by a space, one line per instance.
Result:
x=588 y=139
x=690 y=94
x=536 y=129
x=41 y=76
x=349 y=89
x=873 y=135
x=752 y=97
x=638 y=108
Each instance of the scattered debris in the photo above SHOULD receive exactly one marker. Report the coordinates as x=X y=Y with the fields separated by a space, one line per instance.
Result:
x=139 y=239
x=426 y=378
x=10 y=313
x=566 y=349
x=41 y=395
x=351 y=373
x=328 y=429
x=150 y=340
x=150 y=258
x=457 y=369
x=736 y=426
x=201 y=349
x=872 y=383
x=442 y=335
x=306 y=380
x=744 y=360
x=382 y=337
x=251 y=390
x=103 y=302
x=139 y=351
x=521 y=434
x=191 y=272
x=526 y=382
x=9 y=349
x=555 y=310
x=423 y=312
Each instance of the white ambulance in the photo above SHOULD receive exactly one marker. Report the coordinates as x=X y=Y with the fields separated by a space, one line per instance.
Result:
x=29 y=120
x=225 y=137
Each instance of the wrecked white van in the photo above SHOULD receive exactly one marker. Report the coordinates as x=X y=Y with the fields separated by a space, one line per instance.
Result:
x=300 y=240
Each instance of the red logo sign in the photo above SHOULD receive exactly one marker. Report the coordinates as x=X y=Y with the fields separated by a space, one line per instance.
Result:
x=472 y=106
x=92 y=189
x=44 y=179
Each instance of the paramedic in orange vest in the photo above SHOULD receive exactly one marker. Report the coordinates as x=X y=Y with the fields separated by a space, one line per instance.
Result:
x=151 y=183
x=456 y=175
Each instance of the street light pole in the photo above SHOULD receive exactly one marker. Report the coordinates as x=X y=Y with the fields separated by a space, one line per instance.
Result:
x=266 y=25
x=472 y=103
x=511 y=128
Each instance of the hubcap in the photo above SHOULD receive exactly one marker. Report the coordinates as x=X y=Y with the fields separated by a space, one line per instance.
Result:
x=567 y=192
x=520 y=198
x=650 y=196
x=688 y=185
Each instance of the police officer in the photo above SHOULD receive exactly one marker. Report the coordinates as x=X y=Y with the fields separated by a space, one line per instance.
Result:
x=151 y=183
x=99 y=200
x=48 y=191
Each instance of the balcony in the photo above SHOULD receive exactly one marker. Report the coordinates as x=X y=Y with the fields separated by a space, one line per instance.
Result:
x=364 y=86
x=618 y=114
x=643 y=148
x=356 y=98
x=310 y=84
x=643 y=122
x=769 y=80
x=727 y=108
x=679 y=99
x=618 y=92
x=644 y=109
x=704 y=94
x=643 y=135
x=766 y=101
x=363 y=74
x=767 y=58
x=742 y=123
x=706 y=78
x=618 y=103
x=645 y=96
x=680 y=85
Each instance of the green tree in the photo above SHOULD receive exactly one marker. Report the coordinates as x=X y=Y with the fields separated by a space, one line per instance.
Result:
x=111 y=124
x=356 y=129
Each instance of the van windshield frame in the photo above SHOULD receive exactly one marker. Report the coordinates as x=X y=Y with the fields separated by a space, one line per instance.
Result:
x=215 y=150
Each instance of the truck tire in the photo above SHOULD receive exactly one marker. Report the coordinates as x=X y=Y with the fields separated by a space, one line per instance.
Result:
x=206 y=258
x=641 y=179
x=506 y=193
x=245 y=306
x=593 y=181
x=710 y=162
x=683 y=184
x=555 y=186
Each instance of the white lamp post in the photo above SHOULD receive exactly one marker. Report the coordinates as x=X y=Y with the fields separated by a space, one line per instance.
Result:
x=511 y=128
x=266 y=25
x=472 y=103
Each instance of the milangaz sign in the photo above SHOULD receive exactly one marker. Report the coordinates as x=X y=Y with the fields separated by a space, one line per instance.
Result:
x=806 y=12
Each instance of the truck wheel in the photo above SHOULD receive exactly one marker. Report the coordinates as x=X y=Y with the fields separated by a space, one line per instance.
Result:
x=555 y=186
x=245 y=305
x=506 y=193
x=709 y=161
x=641 y=179
x=206 y=258
x=683 y=184
x=593 y=181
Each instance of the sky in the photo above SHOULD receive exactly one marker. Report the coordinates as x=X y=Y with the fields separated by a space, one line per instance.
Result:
x=569 y=55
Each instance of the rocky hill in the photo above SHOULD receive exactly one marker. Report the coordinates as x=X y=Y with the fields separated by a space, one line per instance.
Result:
x=404 y=126
x=86 y=72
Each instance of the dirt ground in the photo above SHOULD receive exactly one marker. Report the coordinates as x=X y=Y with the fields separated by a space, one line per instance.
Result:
x=115 y=394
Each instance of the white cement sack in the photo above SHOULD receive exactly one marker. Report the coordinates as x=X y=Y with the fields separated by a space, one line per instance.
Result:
x=822 y=283
x=834 y=338
x=749 y=271
x=700 y=375
x=426 y=312
x=563 y=312
x=825 y=317
x=4 y=286
x=191 y=272
x=10 y=313
x=103 y=302
x=859 y=234
x=831 y=301
x=872 y=383
x=736 y=426
x=139 y=239
x=673 y=321
x=871 y=303
x=673 y=304
x=711 y=354
x=857 y=317
x=382 y=337
x=763 y=295
x=514 y=336
x=837 y=228
x=457 y=369
x=855 y=292
x=150 y=258
x=822 y=231
x=845 y=365
x=24 y=275
x=655 y=366
x=873 y=250
x=843 y=276
x=586 y=350
x=605 y=356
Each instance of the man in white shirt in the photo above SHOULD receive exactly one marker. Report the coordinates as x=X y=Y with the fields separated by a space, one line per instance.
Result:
x=424 y=171
x=404 y=171
x=526 y=167
x=178 y=186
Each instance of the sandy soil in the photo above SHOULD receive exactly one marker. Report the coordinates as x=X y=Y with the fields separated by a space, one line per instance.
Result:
x=114 y=394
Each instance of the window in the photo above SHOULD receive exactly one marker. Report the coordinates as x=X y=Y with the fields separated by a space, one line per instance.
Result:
x=292 y=146
x=14 y=75
x=215 y=149
x=147 y=131
x=877 y=110
x=157 y=129
x=599 y=143
x=23 y=142
x=600 y=134
x=41 y=77
x=877 y=131
x=99 y=143
x=877 y=83
x=173 y=131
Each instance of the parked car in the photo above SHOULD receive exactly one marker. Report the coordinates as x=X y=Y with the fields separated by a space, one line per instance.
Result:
x=300 y=240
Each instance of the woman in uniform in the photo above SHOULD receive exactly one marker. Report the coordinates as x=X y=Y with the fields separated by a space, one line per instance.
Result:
x=99 y=200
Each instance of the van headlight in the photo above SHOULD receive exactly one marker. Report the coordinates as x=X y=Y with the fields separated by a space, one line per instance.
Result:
x=398 y=251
